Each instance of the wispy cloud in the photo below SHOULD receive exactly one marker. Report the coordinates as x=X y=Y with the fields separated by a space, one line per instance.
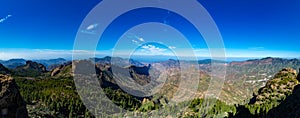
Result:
x=5 y=18
x=141 y=39
x=90 y=29
x=135 y=42
x=152 y=49
x=92 y=26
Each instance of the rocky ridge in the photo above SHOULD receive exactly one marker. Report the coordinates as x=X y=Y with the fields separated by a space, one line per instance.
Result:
x=12 y=104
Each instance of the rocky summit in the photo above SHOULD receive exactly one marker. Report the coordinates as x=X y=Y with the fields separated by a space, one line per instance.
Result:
x=277 y=99
x=289 y=108
x=12 y=104
x=30 y=69
x=277 y=88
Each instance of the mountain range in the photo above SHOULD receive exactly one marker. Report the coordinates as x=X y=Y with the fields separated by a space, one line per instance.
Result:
x=13 y=63
x=247 y=82
x=248 y=75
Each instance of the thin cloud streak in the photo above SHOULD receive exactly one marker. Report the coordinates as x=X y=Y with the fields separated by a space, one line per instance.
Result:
x=5 y=18
x=135 y=42
x=153 y=50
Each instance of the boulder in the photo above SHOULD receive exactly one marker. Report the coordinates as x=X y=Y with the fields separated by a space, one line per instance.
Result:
x=12 y=104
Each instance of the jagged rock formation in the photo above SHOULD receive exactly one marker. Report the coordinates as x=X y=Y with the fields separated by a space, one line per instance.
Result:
x=290 y=107
x=138 y=74
x=277 y=88
x=62 y=70
x=275 y=99
x=56 y=70
x=34 y=65
x=140 y=70
x=12 y=104
x=30 y=69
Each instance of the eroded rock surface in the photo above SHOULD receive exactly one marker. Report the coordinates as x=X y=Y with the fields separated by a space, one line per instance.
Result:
x=12 y=104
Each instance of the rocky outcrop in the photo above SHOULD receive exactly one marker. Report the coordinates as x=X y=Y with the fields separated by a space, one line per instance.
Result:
x=279 y=98
x=35 y=66
x=30 y=69
x=62 y=70
x=144 y=70
x=289 y=108
x=56 y=70
x=277 y=88
x=12 y=104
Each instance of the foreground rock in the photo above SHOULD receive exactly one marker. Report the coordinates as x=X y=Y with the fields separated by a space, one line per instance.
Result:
x=12 y=104
x=278 y=88
x=290 y=107
x=279 y=98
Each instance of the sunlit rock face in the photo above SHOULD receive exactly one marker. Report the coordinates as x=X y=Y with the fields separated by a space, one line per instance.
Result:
x=12 y=104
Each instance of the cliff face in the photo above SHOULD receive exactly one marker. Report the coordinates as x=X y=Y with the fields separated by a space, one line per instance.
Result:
x=64 y=70
x=279 y=98
x=12 y=104
x=34 y=66
x=278 y=88
x=290 y=107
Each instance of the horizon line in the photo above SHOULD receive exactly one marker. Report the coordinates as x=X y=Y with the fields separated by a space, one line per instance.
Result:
x=228 y=59
x=68 y=54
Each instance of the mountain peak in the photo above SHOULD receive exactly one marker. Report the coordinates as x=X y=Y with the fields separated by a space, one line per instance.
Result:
x=277 y=88
x=30 y=69
x=29 y=62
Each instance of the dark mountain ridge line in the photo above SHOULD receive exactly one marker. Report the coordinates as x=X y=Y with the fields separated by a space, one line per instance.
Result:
x=13 y=63
x=267 y=60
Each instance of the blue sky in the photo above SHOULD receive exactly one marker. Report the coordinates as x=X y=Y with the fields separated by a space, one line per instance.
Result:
x=250 y=28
